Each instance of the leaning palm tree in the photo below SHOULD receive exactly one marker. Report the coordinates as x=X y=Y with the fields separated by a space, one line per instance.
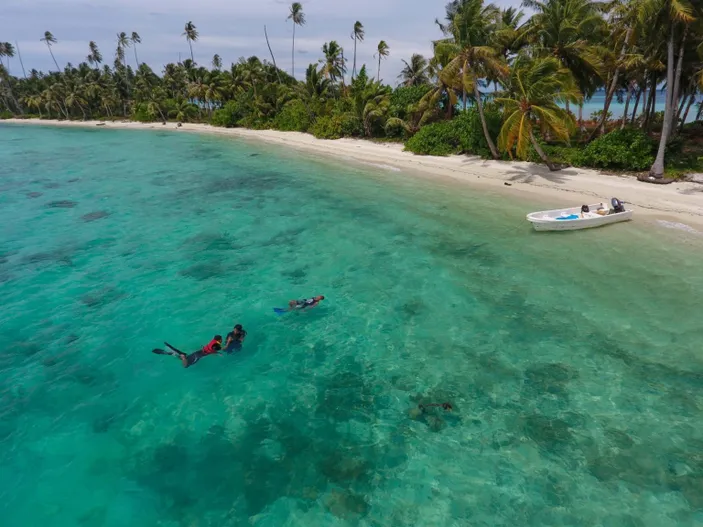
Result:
x=415 y=72
x=383 y=51
x=191 y=34
x=298 y=18
x=94 y=57
x=50 y=40
x=357 y=36
x=534 y=90
x=135 y=39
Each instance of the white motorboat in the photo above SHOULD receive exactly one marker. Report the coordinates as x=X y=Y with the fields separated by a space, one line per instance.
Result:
x=583 y=217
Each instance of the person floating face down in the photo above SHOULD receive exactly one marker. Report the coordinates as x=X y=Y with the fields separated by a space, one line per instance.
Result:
x=234 y=339
x=306 y=303
x=211 y=348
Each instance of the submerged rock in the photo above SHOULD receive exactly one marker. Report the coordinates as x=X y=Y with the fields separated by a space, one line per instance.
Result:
x=92 y=216
x=62 y=204
x=547 y=432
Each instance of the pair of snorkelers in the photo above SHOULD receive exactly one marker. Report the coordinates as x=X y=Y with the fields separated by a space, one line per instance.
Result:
x=233 y=343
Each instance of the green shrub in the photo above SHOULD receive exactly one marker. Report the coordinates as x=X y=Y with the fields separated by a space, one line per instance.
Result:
x=255 y=123
x=436 y=139
x=294 y=117
x=627 y=149
x=141 y=114
x=228 y=115
x=6 y=114
x=463 y=134
x=404 y=96
x=336 y=126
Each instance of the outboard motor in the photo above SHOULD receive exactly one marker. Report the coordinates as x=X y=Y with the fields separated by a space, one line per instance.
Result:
x=618 y=205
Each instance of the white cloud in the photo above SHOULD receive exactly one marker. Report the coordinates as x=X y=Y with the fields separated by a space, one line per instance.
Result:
x=231 y=28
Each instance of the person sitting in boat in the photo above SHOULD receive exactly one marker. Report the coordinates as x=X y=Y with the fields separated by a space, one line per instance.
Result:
x=584 y=210
x=602 y=210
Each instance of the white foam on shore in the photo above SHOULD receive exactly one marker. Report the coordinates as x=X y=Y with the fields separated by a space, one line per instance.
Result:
x=384 y=167
x=678 y=226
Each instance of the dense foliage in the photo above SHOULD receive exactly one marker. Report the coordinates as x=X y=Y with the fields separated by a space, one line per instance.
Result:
x=626 y=149
x=540 y=72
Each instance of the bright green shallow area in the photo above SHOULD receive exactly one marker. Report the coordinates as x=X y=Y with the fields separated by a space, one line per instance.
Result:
x=573 y=360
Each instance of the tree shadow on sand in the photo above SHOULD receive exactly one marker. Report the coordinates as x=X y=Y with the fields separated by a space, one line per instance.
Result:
x=530 y=173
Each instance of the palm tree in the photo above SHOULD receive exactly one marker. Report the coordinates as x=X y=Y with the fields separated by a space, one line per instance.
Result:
x=415 y=72
x=358 y=36
x=333 y=64
x=383 y=51
x=94 y=57
x=298 y=18
x=136 y=39
x=123 y=42
x=216 y=62
x=470 y=27
x=675 y=17
x=7 y=50
x=534 y=90
x=191 y=34
x=49 y=39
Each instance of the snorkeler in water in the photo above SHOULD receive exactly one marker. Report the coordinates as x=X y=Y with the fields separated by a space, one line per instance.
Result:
x=188 y=360
x=298 y=305
x=235 y=338
x=306 y=303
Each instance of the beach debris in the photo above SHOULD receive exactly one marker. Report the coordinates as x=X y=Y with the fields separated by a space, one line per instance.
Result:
x=508 y=184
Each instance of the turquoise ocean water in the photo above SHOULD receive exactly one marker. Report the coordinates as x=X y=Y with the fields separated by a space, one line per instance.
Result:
x=573 y=361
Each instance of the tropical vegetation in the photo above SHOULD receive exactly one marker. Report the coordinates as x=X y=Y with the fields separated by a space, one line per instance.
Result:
x=498 y=84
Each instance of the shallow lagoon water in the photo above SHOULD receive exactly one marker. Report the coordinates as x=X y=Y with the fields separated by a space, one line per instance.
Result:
x=572 y=360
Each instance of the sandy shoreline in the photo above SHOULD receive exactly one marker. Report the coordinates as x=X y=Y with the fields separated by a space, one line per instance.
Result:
x=677 y=202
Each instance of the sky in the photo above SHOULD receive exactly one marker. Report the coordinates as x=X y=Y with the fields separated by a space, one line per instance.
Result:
x=230 y=28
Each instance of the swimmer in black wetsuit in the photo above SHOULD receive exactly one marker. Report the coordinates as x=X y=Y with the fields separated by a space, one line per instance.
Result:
x=234 y=339
x=306 y=303
x=211 y=348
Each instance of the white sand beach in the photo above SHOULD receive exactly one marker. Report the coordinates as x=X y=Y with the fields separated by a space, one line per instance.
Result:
x=676 y=202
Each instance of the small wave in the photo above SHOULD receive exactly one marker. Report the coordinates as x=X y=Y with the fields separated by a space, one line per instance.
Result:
x=385 y=167
x=678 y=226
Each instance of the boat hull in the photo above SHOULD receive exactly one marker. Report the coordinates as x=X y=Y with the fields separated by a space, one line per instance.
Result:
x=547 y=220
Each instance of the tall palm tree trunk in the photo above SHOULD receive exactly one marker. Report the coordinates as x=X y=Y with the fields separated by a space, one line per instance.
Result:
x=627 y=105
x=541 y=153
x=136 y=58
x=52 y=56
x=657 y=169
x=272 y=58
x=19 y=55
x=647 y=105
x=379 y=67
x=691 y=100
x=677 y=80
x=484 y=125
x=613 y=87
x=354 y=67
x=190 y=44
x=637 y=103
x=292 y=69
x=581 y=127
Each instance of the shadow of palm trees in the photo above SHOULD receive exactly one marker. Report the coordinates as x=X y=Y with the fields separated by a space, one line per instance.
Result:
x=530 y=173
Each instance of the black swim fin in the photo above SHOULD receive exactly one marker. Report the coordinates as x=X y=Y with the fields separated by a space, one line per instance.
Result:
x=160 y=351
